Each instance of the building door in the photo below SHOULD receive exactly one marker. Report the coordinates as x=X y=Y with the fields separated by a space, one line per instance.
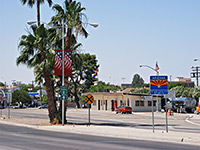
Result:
x=106 y=105
x=128 y=102
x=112 y=105
x=99 y=104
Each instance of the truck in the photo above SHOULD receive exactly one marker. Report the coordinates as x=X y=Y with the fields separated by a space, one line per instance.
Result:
x=183 y=104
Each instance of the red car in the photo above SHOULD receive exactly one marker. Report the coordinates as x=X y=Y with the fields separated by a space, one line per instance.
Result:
x=123 y=110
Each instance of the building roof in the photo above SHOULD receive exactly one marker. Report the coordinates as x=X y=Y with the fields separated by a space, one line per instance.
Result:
x=124 y=93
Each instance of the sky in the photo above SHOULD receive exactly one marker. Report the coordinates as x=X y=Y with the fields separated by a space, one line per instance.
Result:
x=130 y=33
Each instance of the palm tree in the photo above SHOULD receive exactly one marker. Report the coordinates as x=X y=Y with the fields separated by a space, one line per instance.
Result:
x=72 y=15
x=36 y=52
x=30 y=3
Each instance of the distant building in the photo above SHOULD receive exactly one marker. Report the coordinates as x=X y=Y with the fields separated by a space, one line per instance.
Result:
x=12 y=88
x=186 y=81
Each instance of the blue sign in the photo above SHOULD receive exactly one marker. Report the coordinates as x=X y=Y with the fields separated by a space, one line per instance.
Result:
x=158 y=85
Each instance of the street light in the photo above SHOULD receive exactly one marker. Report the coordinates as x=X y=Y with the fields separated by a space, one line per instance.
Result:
x=157 y=75
x=150 y=68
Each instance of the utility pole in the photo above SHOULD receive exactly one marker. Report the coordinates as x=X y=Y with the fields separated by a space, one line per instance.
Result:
x=195 y=74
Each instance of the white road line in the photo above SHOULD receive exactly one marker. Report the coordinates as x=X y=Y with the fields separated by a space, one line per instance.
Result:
x=192 y=122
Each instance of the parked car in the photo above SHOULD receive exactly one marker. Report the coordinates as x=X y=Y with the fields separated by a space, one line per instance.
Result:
x=19 y=107
x=43 y=106
x=123 y=110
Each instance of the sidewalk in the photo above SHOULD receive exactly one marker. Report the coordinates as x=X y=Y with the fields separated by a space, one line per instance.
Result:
x=111 y=131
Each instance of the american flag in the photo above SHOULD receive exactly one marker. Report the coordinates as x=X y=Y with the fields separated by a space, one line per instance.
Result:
x=67 y=62
x=157 y=68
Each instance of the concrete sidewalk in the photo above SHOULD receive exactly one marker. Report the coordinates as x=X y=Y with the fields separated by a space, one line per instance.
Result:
x=111 y=131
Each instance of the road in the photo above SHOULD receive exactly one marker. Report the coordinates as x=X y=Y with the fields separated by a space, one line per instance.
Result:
x=178 y=122
x=22 y=138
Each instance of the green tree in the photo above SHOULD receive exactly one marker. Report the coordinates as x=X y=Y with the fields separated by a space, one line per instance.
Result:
x=179 y=90
x=141 y=91
x=84 y=66
x=21 y=97
x=72 y=14
x=137 y=81
x=2 y=84
x=36 y=52
x=172 y=84
x=101 y=86
x=30 y=3
x=44 y=99
x=196 y=93
x=186 y=92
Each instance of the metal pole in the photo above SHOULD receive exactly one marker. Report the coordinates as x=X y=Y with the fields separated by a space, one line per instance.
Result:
x=63 y=69
x=9 y=105
x=166 y=114
x=152 y=114
x=89 y=114
x=197 y=76
x=157 y=96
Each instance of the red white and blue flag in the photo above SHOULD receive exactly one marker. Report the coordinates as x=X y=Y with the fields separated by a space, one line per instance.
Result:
x=67 y=62
x=157 y=68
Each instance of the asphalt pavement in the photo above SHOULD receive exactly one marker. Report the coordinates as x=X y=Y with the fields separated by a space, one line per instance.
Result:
x=183 y=128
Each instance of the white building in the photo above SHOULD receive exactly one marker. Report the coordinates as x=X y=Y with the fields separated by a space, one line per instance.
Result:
x=109 y=101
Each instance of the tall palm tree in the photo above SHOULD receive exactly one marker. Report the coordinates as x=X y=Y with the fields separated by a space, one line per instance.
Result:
x=36 y=52
x=30 y=3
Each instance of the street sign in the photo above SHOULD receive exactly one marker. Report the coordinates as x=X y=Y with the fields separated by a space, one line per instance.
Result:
x=89 y=99
x=63 y=97
x=63 y=90
x=158 y=85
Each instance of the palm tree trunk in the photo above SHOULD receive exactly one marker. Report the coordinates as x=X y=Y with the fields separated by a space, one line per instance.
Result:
x=68 y=38
x=50 y=96
x=38 y=12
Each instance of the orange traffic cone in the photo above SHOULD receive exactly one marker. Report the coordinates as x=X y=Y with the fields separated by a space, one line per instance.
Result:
x=169 y=112
x=197 y=109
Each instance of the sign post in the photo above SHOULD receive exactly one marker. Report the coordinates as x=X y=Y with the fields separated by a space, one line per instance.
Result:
x=63 y=91
x=89 y=99
x=159 y=86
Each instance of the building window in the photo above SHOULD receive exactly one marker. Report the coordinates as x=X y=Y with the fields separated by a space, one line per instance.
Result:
x=139 y=103
x=150 y=103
